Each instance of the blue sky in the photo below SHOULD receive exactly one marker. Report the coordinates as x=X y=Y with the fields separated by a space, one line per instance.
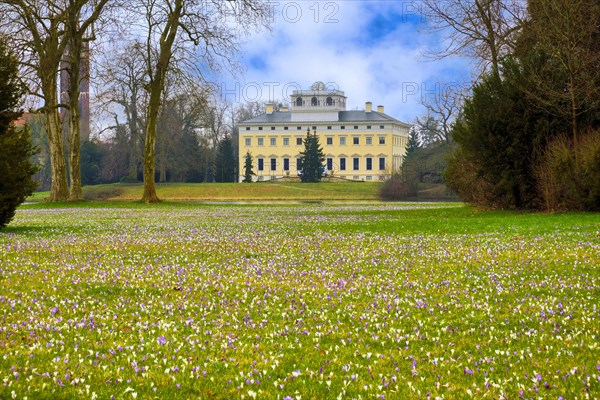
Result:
x=370 y=49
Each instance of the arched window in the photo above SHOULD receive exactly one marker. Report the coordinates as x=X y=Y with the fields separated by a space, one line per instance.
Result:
x=313 y=101
x=299 y=102
x=329 y=101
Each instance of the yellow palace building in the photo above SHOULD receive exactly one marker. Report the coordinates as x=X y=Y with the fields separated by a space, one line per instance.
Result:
x=364 y=144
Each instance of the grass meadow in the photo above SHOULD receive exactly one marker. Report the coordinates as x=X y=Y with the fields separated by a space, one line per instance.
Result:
x=263 y=191
x=298 y=301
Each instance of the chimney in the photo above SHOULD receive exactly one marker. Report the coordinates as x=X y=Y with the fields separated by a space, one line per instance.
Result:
x=368 y=106
x=269 y=108
x=380 y=109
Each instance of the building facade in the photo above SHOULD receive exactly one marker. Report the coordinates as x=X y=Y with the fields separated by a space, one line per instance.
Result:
x=366 y=145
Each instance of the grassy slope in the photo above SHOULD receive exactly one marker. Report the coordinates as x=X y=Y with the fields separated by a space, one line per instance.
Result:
x=272 y=191
x=234 y=192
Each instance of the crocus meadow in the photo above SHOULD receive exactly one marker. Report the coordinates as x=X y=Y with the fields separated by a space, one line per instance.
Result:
x=308 y=301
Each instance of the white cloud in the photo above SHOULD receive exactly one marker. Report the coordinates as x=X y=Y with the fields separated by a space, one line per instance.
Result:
x=372 y=53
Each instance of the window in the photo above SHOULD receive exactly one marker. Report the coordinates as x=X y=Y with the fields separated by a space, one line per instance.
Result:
x=314 y=101
x=381 y=163
x=381 y=139
x=286 y=164
x=248 y=141
x=329 y=128
x=260 y=128
x=298 y=164
x=330 y=141
x=381 y=126
x=273 y=164
x=343 y=140
x=329 y=164
x=355 y=126
x=273 y=141
x=261 y=164
x=299 y=128
x=368 y=126
x=329 y=101
x=356 y=163
x=342 y=163
x=261 y=141
x=355 y=140
x=272 y=128
x=285 y=128
x=369 y=161
x=247 y=128
x=343 y=127
x=286 y=141
x=369 y=178
x=314 y=128
x=369 y=140
x=298 y=141
x=299 y=102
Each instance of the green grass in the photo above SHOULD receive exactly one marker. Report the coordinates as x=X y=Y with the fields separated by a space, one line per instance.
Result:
x=272 y=191
x=320 y=301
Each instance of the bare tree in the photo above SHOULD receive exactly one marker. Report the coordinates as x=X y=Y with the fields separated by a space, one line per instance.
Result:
x=443 y=108
x=121 y=80
x=40 y=31
x=78 y=45
x=217 y=121
x=567 y=34
x=214 y=24
x=484 y=30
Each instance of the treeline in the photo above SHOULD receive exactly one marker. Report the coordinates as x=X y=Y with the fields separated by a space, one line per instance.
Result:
x=194 y=144
x=141 y=56
x=427 y=151
x=528 y=134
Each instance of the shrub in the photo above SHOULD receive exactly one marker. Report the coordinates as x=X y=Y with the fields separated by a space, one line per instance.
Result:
x=397 y=188
x=465 y=179
x=568 y=178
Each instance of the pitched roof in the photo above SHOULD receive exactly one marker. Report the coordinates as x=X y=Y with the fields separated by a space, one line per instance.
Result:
x=343 y=116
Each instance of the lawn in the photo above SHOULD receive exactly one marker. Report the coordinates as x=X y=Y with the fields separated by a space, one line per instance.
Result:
x=311 y=301
x=262 y=191
x=272 y=191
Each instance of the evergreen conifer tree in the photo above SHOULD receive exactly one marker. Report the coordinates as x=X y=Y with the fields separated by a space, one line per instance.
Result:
x=16 y=169
x=225 y=161
x=248 y=172
x=312 y=159
x=413 y=143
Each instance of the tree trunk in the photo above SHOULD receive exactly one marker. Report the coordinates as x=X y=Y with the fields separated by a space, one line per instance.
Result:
x=50 y=52
x=133 y=141
x=156 y=86
x=149 y=145
x=574 y=113
x=75 y=193
x=59 y=190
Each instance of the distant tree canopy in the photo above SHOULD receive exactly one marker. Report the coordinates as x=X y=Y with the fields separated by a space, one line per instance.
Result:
x=546 y=88
x=312 y=159
x=16 y=149
x=225 y=161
